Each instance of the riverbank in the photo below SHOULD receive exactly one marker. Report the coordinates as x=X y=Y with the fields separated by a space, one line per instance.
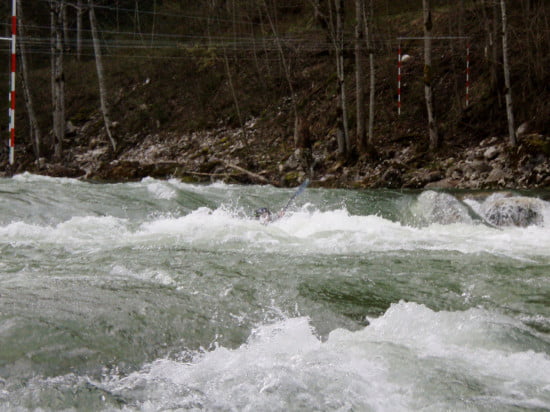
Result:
x=246 y=155
x=205 y=115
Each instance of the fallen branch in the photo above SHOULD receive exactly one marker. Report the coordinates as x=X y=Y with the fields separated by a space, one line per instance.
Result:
x=206 y=174
x=247 y=172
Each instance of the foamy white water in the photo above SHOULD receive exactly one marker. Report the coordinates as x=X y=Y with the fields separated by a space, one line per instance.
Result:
x=160 y=295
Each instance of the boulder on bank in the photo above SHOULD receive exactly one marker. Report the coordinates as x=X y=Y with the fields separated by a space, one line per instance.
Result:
x=439 y=207
x=60 y=170
x=521 y=211
x=126 y=170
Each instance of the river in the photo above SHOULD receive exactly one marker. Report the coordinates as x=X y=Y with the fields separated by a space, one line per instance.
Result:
x=161 y=295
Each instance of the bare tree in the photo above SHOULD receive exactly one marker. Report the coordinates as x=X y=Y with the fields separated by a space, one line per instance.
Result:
x=250 y=17
x=362 y=42
x=507 y=83
x=286 y=68
x=79 y=13
x=428 y=91
x=100 y=76
x=137 y=21
x=372 y=78
x=344 y=146
x=233 y=91
x=461 y=21
x=65 y=20
x=35 y=132
x=455 y=24
x=495 y=50
x=359 y=75
x=58 y=77
x=491 y=47
x=153 y=23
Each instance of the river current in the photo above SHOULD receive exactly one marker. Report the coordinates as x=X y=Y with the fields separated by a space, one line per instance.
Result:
x=161 y=295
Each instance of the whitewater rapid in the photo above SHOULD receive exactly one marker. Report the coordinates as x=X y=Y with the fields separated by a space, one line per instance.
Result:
x=162 y=295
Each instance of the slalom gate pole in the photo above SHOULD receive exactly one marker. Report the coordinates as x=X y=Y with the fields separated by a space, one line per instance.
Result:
x=400 y=65
x=12 y=81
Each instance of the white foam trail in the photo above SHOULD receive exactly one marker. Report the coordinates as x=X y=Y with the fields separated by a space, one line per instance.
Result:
x=160 y=189
x=339 y=232
x=282 y=366
x=303 y=232
x=198 y=188
x=27 y=177
x=74 y=233
x=399 y=362
x=150 y=275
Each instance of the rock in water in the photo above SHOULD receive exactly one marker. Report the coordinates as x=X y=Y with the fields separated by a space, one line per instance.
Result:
x=439 y=207
x=519 y=211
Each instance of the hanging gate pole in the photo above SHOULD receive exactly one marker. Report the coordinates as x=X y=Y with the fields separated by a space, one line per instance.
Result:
x=400 y=65
x=12 y=39
x=12 y=90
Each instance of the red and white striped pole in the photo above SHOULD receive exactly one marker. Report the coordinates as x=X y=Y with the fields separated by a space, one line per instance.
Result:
x=399 y=56
x=467 y=74
x=12 y=88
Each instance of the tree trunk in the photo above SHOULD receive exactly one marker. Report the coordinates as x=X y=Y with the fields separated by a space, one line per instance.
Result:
x=79 y=12
x=344 y=146
x=372 y=90
x=234 y=20
x=428 y=92
x=255 y=53
x=65 y=20
x=263 y=33
x=372 y=81
x=507 y=83
x=58 y=79
x=494 y=53
x=52 y=51
x=461 y=21
x=287 y=73
x=233 y=91
x=359 y=76
x=117 y=6
x=209 y=14
x=453 y=18
x=36 y=135
x=100 y=76
x=153 y=24
x=137 y=22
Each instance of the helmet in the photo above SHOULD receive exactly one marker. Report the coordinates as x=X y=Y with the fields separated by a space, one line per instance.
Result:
x=262 y=212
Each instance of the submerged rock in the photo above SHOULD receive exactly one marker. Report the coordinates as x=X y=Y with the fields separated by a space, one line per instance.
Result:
x=521 y=211
x=440 y=207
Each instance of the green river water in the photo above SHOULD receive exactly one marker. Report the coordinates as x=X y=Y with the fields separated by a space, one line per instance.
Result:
x=159 y=295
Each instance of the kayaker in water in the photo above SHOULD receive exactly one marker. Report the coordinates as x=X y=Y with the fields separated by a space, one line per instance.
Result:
x=265 y=216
